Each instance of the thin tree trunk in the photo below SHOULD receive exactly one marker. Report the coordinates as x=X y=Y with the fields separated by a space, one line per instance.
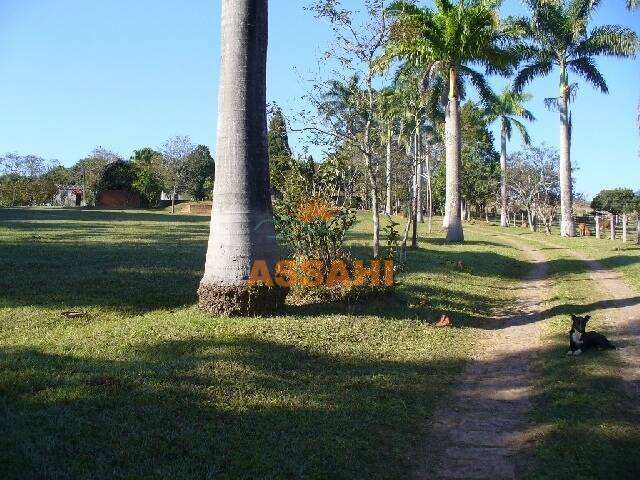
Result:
x=388 y=205
x=429 y=187
x=624 y=227
x=638 y=229
x=415 y=204
x=567 y=227
x=173 y=201
x=418 y=159
x=504 y=220
x=452 y=222
x=241 y=231
x=598 y=228
x=370 y=167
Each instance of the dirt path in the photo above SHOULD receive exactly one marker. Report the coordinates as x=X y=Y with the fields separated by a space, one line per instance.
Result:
x=622 y=307
x=483 y=425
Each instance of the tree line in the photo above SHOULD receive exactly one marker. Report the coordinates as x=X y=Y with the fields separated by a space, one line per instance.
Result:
x=178 y=167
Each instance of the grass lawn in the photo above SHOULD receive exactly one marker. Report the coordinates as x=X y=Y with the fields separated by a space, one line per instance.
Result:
x=589 y=426
x=146 y=386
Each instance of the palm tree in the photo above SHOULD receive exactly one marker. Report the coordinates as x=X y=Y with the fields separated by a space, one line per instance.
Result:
x=242 y=220
x=506 y=107
x=389 y=110
x=560 y=38
x=449 y=42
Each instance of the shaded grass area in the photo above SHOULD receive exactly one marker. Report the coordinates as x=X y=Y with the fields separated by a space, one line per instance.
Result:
x=589 y=426
x=146 y=386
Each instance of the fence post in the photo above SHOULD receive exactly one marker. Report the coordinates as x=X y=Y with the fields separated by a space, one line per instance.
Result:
x=612 y=217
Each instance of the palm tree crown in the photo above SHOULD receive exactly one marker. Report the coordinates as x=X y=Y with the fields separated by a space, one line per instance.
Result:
x=507 y=107
x=560 y=31
x=455 y=38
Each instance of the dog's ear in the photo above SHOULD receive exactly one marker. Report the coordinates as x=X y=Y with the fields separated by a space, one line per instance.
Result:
x=573 y=317
x=587 y=318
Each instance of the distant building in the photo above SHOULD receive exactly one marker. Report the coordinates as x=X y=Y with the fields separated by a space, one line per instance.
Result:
x=181 y=197
x=68 y=196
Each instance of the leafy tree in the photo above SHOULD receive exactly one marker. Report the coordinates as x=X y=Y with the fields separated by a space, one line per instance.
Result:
x=534 y=183
x=281 y=163
x=175 y=153
x=447 y=42
x=561 y=38
x=200 y=173
x=88 y=170
x=616 y=201
x=506 y=108
x=147 y=167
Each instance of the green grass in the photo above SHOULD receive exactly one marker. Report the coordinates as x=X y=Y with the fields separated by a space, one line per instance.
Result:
x=588 y=425
x=146 y=386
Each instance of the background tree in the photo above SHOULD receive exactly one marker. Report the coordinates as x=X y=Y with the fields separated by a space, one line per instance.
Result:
x=447 y=42
x=88 y=170
x=200 y=173
x=147 y=167
x=281 y=162
x=175 y=153
x=560 y=38
x=618 y=201
x=505 y=108
x=242 y=220
x=356 y=47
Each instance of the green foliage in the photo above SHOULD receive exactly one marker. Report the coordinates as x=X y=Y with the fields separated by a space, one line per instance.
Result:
x=313 y=229
x=453 y=37
x=147 y=166
x=278 y=136
x=390 y=231
x=118 y=175
x=560 y=37
x=480 y=176
x=200 y=173
x=616 y=201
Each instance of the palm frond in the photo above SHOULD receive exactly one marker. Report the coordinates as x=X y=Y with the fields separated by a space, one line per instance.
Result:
x=522 y=129
x=612 y=40
x=487 y=95
x=531 y=71
x=587 y=69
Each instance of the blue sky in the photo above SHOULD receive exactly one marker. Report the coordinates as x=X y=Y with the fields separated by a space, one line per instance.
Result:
x=127 y=74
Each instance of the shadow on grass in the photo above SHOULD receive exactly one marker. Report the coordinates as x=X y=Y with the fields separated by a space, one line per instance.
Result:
x=251 y=408
x=194 y=408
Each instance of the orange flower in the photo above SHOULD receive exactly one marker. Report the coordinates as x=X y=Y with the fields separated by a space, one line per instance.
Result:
x=316 y=209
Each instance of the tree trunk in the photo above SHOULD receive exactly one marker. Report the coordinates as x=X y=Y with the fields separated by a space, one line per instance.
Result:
x=504 y=220
x=388 y=205
x=638 y=229
x=173 y=201
x=418 y=153
x=414 y=207
x=598 y=230
x=241 y=229
x=567 y=227
x=429 y=187
x=624 y=227
x=612 y=219
x=452 y=222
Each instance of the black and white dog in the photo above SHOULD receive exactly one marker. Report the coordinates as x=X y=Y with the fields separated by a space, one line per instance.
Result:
x=580 y=339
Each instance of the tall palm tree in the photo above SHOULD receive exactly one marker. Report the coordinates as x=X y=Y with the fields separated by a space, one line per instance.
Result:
x=560 y=36
x=506 y=107
x=449 y=41
x=389 y=111
x=242 y=220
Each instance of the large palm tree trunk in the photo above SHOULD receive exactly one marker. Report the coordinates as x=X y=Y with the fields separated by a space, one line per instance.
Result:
x=504 y=221
x=452 y=222
x=242 y=219
x=567 y=228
